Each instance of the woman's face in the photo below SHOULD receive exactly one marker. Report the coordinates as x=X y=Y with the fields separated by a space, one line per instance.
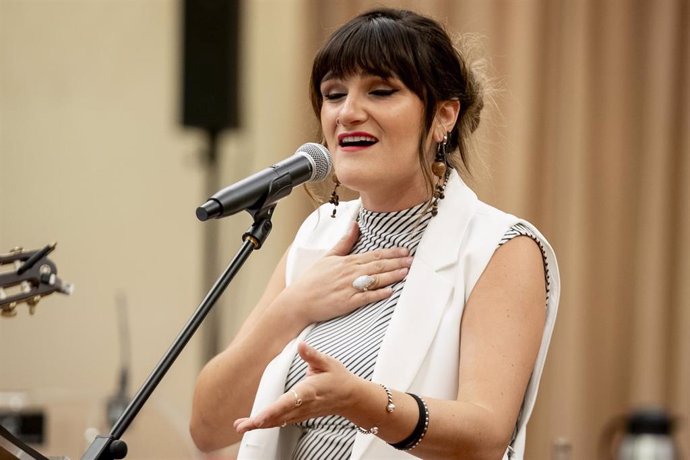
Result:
x=372 y=127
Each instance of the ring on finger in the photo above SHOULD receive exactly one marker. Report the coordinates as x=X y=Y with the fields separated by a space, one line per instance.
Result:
x=298 y=400
x=284 y=424
x=364 y=283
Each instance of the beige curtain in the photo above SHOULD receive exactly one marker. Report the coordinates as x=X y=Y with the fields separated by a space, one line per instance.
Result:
x=588 y=138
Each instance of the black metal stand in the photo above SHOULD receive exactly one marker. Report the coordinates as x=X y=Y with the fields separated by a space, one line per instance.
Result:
x=209 y=332
x=110 y=447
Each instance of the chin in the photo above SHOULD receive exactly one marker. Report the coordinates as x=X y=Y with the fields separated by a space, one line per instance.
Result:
x=354 y=181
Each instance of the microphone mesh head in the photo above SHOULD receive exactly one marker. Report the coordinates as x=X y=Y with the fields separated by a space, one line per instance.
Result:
x=320 y=158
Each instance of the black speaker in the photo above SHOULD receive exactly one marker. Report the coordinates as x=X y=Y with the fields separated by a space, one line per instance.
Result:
x=211 y=64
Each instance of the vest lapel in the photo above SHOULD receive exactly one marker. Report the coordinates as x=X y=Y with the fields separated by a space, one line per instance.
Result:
x=330 y=232
x=428 y=289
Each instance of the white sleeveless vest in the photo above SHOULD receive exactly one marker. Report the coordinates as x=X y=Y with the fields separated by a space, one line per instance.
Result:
x=420 y=352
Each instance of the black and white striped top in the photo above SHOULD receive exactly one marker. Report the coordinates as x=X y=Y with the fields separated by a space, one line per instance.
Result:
x=354 y=339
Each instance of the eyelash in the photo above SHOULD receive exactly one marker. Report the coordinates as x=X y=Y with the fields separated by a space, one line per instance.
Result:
x=384 y=92
x=333 y=96
x=376 y=92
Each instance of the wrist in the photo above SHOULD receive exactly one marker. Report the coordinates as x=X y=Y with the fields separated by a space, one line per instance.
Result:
x=369 y=405
x=290 y=310
x=420 y=429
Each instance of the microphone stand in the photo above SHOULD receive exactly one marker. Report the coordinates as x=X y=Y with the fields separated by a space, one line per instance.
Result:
x=110 y=446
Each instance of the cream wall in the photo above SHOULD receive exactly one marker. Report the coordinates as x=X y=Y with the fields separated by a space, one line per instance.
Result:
x=91 y=156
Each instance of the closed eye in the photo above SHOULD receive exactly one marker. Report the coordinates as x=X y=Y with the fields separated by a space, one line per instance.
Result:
x=334 y=96
x=383 y=92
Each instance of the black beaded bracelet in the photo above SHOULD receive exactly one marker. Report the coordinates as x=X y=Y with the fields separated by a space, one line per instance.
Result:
x=419 y=432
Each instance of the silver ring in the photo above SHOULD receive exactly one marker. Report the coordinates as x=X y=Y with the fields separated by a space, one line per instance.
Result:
x=298 y=400
x=284 y=424
x=364 y=283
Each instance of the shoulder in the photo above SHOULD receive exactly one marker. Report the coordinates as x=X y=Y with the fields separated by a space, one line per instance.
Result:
x=487 y=215
x=521 y=252
x=320 y=231
x=520 y=262
x=500 y=239
x=498 y=227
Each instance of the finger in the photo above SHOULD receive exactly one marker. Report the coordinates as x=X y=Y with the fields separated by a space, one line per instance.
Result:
x=368 y=297
x=270 y=418
x=344 y=246
x=388 y=278
x=239 y=422
x=381 y=254
x=385 y=265
x=317 y=361
x=250 y=424
x=242 y=425
x=245 y=425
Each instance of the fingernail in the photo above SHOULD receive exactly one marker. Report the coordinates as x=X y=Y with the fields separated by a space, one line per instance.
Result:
x=307 y=349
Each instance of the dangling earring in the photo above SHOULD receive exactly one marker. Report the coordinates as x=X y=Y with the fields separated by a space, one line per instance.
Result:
x=335 y=199
x=440 y=169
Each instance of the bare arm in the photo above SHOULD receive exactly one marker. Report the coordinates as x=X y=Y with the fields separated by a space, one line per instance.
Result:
x=227 y=385
x=501 y=333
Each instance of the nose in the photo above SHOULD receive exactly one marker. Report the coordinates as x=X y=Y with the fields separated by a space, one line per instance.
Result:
x=352 y=111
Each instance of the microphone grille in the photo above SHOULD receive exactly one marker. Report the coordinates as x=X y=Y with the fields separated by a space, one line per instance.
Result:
x=320 y=158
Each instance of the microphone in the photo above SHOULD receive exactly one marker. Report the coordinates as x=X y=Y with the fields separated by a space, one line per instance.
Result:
x=310 y=163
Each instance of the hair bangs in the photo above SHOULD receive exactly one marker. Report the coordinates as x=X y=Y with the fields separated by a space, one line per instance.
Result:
x=380 y=46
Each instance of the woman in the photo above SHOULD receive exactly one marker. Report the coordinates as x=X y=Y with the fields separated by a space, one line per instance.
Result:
x=414 y=320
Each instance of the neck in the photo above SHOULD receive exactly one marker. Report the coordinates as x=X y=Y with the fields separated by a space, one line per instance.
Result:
x=390 y=205
x=397 y=198
x=389 y=199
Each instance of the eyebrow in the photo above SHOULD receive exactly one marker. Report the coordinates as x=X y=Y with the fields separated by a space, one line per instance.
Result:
x=331 y=76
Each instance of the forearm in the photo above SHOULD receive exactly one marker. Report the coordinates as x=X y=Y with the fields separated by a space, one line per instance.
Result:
x=456 y=429
x=227 y=385
x=464 y=430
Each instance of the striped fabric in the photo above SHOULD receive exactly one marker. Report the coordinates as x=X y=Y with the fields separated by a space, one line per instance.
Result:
x=522 y=230
x=354 y=339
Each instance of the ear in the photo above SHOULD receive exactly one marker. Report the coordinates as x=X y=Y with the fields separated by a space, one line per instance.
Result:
x=446 y=116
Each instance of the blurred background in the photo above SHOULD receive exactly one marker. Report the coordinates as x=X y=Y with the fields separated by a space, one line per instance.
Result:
x=585 y=134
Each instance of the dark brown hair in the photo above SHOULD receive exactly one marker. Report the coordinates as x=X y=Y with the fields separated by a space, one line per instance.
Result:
x=418 y=51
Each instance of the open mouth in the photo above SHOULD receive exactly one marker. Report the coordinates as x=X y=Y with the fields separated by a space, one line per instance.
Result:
x=357 y=141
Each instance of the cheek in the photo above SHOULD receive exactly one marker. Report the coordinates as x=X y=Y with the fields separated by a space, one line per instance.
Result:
x=328 y=127
x=327 y=118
